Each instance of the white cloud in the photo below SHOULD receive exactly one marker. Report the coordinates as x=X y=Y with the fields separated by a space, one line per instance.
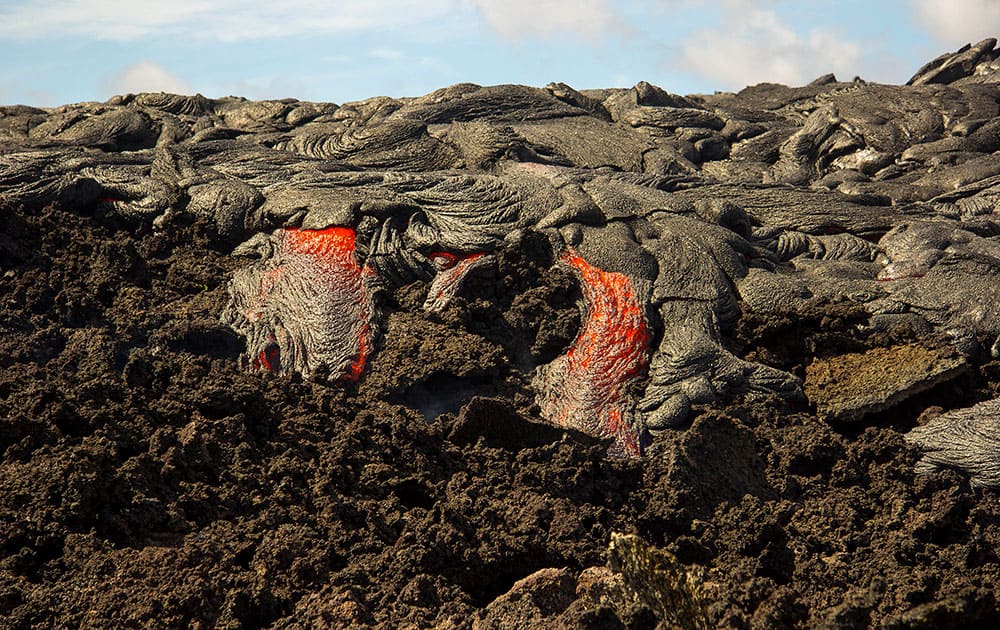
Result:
x=754 y=45
x=957 y=22
x=515 y=19
x=145 y=76
x=223 y=20
x=237 y=20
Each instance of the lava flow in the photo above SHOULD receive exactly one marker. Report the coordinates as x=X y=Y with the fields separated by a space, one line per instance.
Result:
x=306 y=307
x=587 y=387
x=452 y=270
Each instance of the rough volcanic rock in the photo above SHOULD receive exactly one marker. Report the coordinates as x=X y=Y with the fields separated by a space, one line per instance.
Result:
x=849 y=386
x=280 y=364
x=966 y=439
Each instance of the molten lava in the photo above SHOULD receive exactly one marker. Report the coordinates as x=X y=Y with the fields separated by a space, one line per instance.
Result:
x=331 y=251
x=452 y=270
x=587 y=387
x=307 y=306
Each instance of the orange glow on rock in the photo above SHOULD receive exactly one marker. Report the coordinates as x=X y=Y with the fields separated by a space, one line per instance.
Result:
x=331 y=250
x=587 y=387
x=451 y=272
x=267 y=359
x=332 y=244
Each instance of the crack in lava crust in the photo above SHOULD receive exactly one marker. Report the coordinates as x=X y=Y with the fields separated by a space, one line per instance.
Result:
x=587 y=387
x=307 y=306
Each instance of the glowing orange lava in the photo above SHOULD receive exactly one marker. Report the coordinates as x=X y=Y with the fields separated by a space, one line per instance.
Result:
x=586 y=388
x=332 y=251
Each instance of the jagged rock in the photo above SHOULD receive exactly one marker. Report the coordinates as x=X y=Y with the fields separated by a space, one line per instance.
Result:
x=532 y=600
x=673 y=213
x=716 y=460
x=659 y=581
x=953 y=66
x=499 y=424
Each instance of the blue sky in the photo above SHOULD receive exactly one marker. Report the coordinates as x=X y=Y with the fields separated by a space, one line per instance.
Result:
x=65 y=51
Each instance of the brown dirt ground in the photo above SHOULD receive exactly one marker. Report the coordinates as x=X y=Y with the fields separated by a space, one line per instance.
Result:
x=146 y=482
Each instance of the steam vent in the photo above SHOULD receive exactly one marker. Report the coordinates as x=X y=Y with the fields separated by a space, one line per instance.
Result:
x=505 y=357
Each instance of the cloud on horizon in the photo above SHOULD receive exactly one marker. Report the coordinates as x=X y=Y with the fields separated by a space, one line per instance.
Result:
x=235 y=20
x=220 y=20
x=955 y=23
x=145 y=76
x=754 y=46
x=517 y=19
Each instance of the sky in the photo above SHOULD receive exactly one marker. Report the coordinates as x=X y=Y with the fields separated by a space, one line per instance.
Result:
x=65 y=51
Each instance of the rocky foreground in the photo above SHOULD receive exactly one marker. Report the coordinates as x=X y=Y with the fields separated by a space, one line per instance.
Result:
x=505 y=357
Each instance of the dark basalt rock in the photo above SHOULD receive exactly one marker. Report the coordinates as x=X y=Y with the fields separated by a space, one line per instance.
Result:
x=447 y=176
x=952 y=67
x=966 y=439
x=370 y=359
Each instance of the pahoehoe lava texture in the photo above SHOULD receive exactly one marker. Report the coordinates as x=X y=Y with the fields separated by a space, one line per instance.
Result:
x=287 y=364
x=306 y=307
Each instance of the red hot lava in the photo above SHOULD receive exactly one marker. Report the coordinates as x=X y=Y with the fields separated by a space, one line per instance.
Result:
x=452 y=269
x=308 y=305
x=587 y=387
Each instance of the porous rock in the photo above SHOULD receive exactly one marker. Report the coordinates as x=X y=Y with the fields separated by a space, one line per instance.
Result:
x=847 y=387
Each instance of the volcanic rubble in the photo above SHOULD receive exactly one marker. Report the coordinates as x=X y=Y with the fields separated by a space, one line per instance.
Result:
x=502 y=357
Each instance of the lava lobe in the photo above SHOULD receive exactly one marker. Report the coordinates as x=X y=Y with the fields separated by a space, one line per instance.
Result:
x=305 y=306
x=587 y=388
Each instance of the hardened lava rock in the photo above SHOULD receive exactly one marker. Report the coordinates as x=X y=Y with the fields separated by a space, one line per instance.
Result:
x=658 y=580
x=676 y=215
x=964 y=439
